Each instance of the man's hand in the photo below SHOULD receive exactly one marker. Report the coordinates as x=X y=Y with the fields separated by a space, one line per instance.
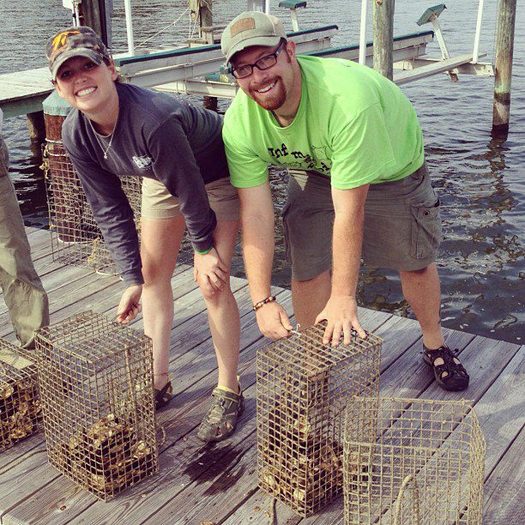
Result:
x=340 y=313
x=129 y=305
x=209 y=272
x=273 y=321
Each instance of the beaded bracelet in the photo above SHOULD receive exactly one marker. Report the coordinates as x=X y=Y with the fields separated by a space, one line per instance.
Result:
x=262 y=302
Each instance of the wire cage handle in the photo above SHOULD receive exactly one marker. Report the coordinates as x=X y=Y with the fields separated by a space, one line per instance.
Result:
x=397 y=510
x=130 y=385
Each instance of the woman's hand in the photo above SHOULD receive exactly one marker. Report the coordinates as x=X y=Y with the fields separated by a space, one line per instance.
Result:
x=129 y=305
x=209 y=272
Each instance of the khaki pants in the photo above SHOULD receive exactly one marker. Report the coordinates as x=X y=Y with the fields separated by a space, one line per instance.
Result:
x=24 y=294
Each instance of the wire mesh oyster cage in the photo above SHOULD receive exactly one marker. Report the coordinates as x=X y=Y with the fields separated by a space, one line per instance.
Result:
x=75 y=236
x=20 y=410
x=412 y=462
x=96 y=381
x=303 y=387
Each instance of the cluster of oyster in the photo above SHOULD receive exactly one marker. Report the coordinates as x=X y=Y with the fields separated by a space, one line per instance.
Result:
x=20 y=410
x=300 y=462
x=106 y=457
x=307 y=478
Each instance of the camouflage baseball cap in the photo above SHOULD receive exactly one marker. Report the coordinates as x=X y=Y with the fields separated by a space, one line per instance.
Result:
x=72 y=42
x=251 y=28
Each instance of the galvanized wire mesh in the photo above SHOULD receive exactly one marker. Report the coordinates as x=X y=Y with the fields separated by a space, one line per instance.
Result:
x=303 y=387
x=20 y=411
x=75 y=236
x=96 y=381
x=413 y=462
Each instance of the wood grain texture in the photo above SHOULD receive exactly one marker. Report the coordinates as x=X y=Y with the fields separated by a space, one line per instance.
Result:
x=218 y=483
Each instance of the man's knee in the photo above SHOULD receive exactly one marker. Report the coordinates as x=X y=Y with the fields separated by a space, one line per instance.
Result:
x=312 y=281
x=420 y=272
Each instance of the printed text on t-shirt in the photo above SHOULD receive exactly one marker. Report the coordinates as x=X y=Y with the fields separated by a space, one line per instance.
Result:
x=305 y=160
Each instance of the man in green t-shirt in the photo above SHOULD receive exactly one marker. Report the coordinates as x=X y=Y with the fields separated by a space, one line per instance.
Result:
x=358 y=186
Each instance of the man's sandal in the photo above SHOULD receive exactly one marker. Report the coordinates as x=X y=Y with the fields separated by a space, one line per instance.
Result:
x=221 y=419
x=450 y=374
x=163 y=396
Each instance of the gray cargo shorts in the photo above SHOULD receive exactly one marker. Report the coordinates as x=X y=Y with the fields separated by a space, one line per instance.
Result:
x=402 y=224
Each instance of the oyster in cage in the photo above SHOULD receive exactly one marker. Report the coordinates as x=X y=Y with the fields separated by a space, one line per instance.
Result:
x=107 y=430
x=297 y=458
x=106 y=456
x=6 y=390
x=20 y=411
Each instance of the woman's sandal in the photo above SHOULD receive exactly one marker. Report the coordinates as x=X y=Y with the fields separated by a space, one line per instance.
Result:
x=221 y=418
x=450 y=374
x=163 y=396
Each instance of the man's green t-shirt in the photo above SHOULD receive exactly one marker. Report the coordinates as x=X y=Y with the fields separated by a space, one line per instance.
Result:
x=352 y=125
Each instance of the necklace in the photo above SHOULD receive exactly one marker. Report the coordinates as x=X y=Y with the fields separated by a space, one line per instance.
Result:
x=105 y=149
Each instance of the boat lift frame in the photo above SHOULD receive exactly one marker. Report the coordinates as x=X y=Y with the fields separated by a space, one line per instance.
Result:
x=180 y=70
x=197 y=70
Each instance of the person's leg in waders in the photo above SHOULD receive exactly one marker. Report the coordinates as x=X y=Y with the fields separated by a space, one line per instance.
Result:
x=24 y=294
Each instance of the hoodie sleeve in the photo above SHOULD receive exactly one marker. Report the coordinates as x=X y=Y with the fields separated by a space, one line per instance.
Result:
x=113 y=215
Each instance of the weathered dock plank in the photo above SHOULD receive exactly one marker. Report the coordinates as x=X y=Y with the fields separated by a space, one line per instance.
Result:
x=505 y=488
x=182 y=416
x=502 y=415
x=24 y=91
x=218 y=483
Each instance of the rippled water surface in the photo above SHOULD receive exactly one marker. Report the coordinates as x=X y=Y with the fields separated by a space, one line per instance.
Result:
x=481 y=181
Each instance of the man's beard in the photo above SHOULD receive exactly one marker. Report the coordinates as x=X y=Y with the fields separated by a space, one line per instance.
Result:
x=273 y=101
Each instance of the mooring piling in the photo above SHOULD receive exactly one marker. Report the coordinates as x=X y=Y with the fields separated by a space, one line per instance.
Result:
x=503 y=68
x=383 y=24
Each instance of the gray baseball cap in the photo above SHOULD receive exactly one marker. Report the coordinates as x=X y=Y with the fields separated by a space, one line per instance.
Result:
x=251 y=28
x=72 y=42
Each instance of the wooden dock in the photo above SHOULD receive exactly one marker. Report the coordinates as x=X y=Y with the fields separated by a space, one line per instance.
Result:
x=217 y=485
x=24 y=91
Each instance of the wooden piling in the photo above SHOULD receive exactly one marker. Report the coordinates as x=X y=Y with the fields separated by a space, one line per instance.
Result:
x=211 y=103
x=206 y=21
x=202 y=13
x=36 y=126
x=503 y=67
x=93 y=14
x=384 y=36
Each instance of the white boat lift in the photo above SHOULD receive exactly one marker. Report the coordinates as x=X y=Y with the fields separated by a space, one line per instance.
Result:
x=199 y=70
x=406 y=48
x=201 y=73
x=157 y=68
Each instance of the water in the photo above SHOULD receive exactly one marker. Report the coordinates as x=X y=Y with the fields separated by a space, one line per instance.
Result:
x=481 y=185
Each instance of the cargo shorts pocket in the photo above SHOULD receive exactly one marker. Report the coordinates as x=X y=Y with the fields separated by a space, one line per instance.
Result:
x=426 y=231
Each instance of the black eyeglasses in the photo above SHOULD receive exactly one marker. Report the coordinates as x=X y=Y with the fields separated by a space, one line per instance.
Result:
x=265 y=62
